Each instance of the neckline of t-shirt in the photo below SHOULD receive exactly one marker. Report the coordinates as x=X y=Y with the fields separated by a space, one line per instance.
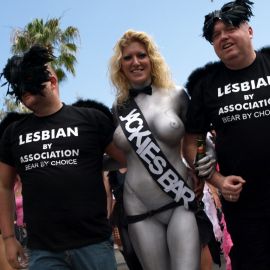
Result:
x=245 y=68
x=51 y=115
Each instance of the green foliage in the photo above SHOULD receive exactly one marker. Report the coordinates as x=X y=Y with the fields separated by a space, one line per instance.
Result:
x=49 y=33
x=63 y=44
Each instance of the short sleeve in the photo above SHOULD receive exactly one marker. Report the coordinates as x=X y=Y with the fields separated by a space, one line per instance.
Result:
x=6 y=147
x=196 y=114
x=105 y=127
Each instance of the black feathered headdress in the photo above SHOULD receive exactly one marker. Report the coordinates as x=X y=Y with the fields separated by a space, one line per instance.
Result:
x=232 y=13
x=27 y=72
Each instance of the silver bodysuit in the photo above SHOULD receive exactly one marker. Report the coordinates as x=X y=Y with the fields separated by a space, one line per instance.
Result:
x=168 y=240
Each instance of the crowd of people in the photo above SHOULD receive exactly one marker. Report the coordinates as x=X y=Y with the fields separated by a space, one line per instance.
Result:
x=167 y=214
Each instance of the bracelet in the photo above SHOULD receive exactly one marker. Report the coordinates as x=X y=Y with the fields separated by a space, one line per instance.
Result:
x=8 y=236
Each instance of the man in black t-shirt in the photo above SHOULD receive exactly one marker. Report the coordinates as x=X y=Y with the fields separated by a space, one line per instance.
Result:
x=233 y=96
x=57 y=150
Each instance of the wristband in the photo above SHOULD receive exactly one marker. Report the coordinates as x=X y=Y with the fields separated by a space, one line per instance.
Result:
x=8 y=236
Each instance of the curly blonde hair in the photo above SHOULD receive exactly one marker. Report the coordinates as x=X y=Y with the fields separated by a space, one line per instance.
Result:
x=160 y=73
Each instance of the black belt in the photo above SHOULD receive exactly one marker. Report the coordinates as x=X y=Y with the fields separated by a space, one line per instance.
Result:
x=137 y=218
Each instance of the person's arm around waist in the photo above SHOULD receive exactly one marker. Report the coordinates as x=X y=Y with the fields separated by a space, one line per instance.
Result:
x=117 y=154
x=189 y=150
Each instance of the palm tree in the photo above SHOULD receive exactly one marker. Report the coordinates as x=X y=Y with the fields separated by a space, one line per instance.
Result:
x=49 y=34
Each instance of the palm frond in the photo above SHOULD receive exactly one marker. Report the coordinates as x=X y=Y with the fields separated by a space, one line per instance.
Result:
x=62 y=43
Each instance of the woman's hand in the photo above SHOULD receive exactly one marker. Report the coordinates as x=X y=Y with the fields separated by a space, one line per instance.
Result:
x=205 y=166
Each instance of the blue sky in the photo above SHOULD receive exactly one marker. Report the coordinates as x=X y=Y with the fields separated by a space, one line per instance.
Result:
x=175 y=26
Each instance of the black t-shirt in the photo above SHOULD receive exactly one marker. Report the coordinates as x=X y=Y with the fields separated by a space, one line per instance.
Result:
x=59 y=159
x=237 y=103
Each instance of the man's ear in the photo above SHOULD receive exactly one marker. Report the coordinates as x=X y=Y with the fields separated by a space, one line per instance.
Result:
x=53 y=81
x=250 y=30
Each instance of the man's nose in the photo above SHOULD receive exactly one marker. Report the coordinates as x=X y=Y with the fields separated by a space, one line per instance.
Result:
x=224 y=34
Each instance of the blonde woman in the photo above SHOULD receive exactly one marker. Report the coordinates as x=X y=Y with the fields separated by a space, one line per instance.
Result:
x=168 y=239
